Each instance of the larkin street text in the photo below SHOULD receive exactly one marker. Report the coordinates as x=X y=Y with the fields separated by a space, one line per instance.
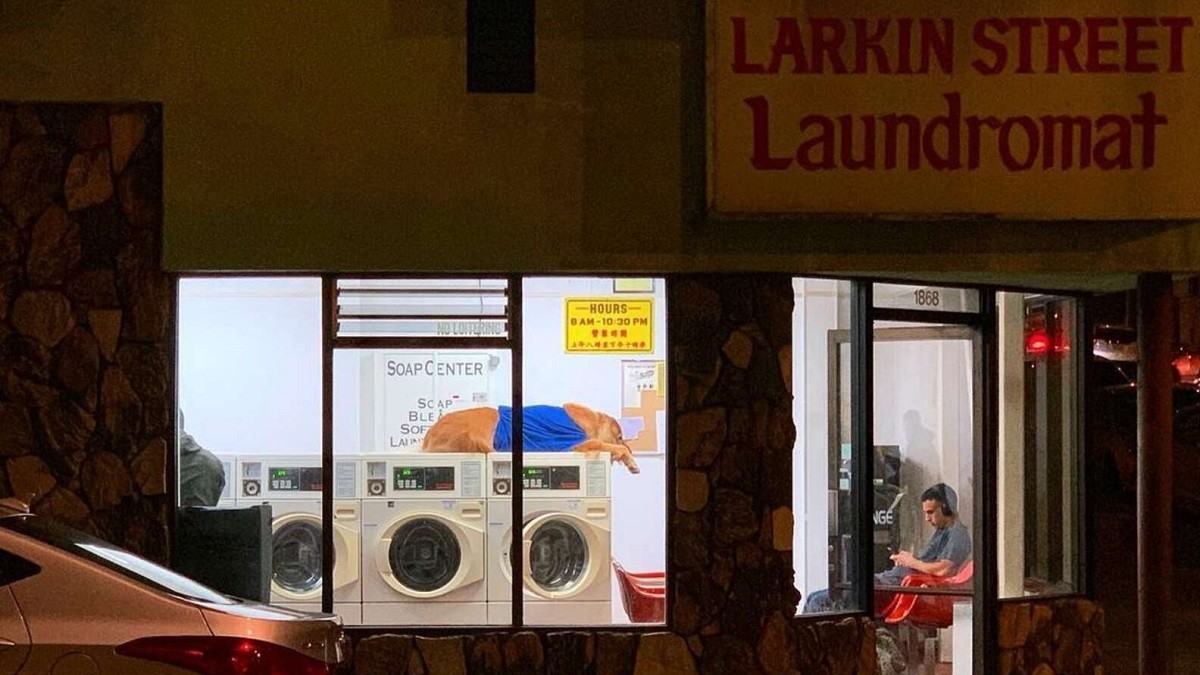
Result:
x=961 y=136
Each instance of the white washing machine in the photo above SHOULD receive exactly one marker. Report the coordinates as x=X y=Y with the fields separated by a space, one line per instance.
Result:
x=292 y=486
x=229 y=493
x=566 y=541
x=424 y=540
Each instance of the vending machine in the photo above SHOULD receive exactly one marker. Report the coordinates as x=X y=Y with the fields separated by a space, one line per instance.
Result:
x=888 y=499
x=885 y=513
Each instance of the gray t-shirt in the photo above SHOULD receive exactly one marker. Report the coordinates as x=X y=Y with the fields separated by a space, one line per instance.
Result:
x=951 y=543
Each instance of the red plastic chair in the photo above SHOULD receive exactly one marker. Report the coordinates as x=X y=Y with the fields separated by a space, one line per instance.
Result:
x=643 y=594
x=928 y=610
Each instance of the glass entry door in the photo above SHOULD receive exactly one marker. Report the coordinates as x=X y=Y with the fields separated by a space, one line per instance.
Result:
x=925 y=435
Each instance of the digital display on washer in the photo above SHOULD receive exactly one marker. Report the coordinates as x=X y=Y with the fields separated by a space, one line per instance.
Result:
x=294 y=478
x=551 y=478
x=422 y=478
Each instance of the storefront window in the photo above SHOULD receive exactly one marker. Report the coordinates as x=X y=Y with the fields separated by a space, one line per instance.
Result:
x=594 y=379
x=1039 y=445
x=420 y=367
x=822 y=485
x=423 y=386
x=249 y=355
x=423 y=498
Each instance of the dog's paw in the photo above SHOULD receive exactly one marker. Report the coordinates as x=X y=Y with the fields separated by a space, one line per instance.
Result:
x=629 y=462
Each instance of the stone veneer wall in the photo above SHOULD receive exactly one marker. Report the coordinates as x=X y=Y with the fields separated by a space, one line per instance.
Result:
x=730 y=347
x=1051 y=637
x=84 y=314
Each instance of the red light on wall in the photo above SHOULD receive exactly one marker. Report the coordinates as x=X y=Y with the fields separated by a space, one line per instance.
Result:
x=1037 y=342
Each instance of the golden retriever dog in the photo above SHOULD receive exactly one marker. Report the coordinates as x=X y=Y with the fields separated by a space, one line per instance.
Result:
x=569 y=428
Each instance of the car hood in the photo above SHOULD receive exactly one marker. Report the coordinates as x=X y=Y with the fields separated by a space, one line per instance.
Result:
x=318 y=635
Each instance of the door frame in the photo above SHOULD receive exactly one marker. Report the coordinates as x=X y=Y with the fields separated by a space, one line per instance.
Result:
x=981 y=327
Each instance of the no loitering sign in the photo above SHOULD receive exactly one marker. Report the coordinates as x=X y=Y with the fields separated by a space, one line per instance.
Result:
x=1083 y=111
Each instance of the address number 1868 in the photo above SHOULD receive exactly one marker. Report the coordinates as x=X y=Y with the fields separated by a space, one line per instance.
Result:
x=927 y=297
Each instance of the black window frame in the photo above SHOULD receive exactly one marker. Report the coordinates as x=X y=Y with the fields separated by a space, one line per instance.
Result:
x=513 y=342
x=984 y=320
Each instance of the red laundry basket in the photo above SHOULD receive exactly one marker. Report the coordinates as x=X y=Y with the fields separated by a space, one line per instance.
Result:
x=643 y=594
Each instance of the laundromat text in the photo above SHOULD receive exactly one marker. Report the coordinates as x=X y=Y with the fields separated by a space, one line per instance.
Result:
x=960 y=135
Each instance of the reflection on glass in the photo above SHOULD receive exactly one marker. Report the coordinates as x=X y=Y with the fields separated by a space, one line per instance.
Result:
x=558 y=556
x=1039 y=444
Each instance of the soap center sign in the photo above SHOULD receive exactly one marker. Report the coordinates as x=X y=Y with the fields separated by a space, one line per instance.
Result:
x=874 y=107
x=412 y=390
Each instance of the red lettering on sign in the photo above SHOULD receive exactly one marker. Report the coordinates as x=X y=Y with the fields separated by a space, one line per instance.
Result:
x=1019 y=142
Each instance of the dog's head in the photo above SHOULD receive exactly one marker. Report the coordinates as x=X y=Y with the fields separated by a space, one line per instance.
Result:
x=610 y=430
x=596 y=424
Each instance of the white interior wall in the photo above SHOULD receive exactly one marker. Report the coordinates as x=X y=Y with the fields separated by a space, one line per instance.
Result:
x=249 y=363
x=923 y=404
x=816 y=312
x=956 y=428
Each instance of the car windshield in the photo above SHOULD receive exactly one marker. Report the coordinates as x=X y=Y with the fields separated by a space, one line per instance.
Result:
x=116 y=559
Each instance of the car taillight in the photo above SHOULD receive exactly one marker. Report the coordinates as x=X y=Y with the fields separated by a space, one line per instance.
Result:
x=216 y=655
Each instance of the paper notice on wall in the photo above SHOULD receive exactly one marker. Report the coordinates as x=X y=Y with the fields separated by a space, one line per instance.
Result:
x=643 y=404
x=414 y=389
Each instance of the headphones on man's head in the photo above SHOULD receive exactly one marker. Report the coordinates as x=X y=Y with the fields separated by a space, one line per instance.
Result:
x=944 y=494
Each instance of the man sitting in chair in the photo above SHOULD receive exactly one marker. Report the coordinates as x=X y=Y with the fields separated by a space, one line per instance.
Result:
x=947 y=550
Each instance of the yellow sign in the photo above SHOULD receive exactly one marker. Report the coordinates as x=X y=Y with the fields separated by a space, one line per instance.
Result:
x=610 y=325
x=1083 y=110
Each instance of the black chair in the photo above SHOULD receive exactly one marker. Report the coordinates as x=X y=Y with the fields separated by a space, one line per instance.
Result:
x=228 y=550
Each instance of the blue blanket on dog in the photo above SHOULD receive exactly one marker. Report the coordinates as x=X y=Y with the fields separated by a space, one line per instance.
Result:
x=546 y=428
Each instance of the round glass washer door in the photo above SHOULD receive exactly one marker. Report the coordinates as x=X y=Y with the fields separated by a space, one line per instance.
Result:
x=425 y=556
x=296 y=557
x=558 y=556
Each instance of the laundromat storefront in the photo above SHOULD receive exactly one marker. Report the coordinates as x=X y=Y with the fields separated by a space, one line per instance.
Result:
x=730 y=515
x=663 y=521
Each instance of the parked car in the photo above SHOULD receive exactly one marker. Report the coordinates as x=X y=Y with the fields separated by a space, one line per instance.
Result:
x=72 y=603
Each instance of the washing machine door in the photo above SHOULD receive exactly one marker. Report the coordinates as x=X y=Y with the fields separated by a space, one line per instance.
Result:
x=560 y=553
x=296 y=556
x=345 y=545
x=425 y=555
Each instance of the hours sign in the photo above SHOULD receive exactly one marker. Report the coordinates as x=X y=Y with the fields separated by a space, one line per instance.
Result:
x=609 y=325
